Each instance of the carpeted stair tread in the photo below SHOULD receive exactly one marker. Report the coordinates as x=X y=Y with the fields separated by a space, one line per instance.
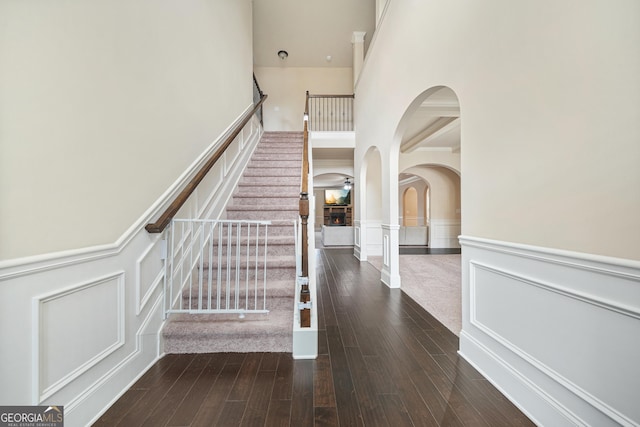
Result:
x=218 y=333
x=269 y=189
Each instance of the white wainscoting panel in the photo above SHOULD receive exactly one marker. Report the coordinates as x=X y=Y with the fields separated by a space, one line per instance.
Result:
x=149 y=273
x=443 y=233
x=374 y=238
x=556 y=331
x=66 y=320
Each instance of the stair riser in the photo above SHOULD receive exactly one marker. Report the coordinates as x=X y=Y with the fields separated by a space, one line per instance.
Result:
x=279 y=181
x=277 y=157
x=272 y=249
x=293 y=145
x=261 y=215
x=278 y=164
x=265 y=201
x=193 y=301
x=294 y=175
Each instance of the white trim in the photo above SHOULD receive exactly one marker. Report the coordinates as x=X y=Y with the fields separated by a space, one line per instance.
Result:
x=528 y=384
x=569 y=258
x=593 y=400
x=623 y=309
x=115 y=370
x=141 y=300
x=578 y=281
x=40 y=395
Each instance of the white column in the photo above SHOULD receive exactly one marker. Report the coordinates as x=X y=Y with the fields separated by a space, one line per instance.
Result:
x=357 y=39
x=360 y=240
x=390 y=274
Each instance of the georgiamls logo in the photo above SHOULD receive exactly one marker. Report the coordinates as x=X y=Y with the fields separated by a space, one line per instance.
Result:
x=31 y=416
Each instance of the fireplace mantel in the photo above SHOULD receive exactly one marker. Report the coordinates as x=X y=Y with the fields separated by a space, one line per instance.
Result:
x=345 y=214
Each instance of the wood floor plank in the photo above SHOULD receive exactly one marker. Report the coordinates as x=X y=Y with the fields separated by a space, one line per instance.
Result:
x=503 y=405
x=382 y=360
x=158 y=389
x=323 y=391
x=192 y=402
x=325 y=417
x=323 y=345
x=394 y=410
x=125 y=403
x=172 y=400
x=269 y=362
x=279 y=413
x=244 y=382
x=157 y=371
x=283 y=386
x=212 y=404
x=232 y=413
x=258 y=404
x=347 y=404
x=370 y=408
x=437 y=404
x=302 y=399
x=379 y=375
x=402 y=372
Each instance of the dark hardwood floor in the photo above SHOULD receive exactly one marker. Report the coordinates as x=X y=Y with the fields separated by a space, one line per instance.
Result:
x=383 y=361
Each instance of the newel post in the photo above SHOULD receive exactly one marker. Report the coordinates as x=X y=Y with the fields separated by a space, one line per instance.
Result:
x=305 y=296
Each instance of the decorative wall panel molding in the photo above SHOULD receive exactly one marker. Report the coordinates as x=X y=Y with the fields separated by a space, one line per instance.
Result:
x=564 y=321
x=65 y=338
x=149 y=273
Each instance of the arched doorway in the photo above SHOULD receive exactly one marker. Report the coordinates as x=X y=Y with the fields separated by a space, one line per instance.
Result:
x=429 y=146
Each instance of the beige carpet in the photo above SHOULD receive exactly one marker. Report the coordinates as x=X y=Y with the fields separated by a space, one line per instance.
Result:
x=434 y=282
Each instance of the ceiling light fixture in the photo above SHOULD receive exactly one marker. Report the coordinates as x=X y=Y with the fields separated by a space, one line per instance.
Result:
x=283 y=54
x=347 y=184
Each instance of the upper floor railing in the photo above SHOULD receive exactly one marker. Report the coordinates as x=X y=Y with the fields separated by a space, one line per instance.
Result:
x=329 y=113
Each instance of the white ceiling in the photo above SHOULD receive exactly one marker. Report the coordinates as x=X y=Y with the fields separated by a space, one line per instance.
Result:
x=312 y=30
x=309 y=31
x=435 y=125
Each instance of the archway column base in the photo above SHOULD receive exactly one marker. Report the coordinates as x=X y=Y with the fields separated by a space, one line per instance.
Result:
x=390 y=274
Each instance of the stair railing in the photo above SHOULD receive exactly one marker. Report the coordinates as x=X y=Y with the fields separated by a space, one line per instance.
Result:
x=165 y=218
x=330 y=113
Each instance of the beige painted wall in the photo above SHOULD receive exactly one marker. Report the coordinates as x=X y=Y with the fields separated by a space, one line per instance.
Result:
x=103 y=106
x=444 y=185
x=420 y=187
x=550 y=113
x=287 y=86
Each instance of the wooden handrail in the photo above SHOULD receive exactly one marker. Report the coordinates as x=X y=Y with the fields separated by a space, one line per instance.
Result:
x=174 y=207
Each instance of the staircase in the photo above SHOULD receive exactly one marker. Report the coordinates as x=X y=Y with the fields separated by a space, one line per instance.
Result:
x=268 y=190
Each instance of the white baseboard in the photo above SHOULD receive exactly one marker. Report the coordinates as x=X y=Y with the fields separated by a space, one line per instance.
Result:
x=554 y=330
